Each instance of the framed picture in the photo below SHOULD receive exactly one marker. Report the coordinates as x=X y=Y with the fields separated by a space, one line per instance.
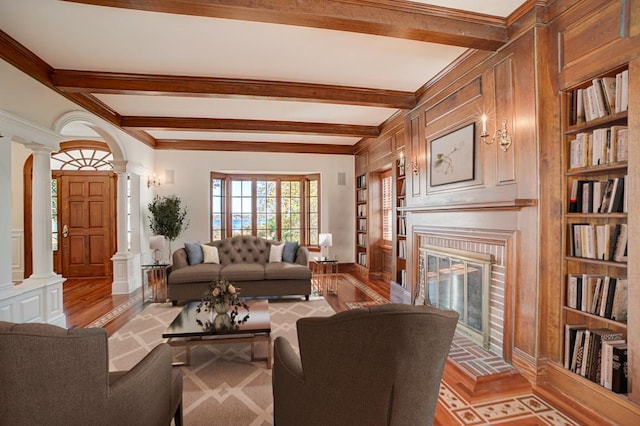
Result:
x=452 y=156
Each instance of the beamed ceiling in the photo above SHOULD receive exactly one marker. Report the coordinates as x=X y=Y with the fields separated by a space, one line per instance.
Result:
x=247 y=75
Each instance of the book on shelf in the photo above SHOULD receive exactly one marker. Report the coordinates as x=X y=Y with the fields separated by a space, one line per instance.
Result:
x=617 y=196
x=620 y=250
x=570 y=332
x=361 y=181
x=403 y=188
x=620 y=300
x=619 y=368
x=609 y=89
x=403 y=278
x=604 y=96
x=402 y=225
x=589 y=352
x=606 y=367
x=601 y=295
x=578 y=351
x=618 y=144
x=594 y=362
x=402 y=249
x=401 y=166
x=622 y=91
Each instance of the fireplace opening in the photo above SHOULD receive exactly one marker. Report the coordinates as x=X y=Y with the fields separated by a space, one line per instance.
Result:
x=457 y=280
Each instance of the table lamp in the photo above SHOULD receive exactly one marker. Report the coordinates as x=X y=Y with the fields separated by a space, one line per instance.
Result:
x=156 y=243
x=325 y=241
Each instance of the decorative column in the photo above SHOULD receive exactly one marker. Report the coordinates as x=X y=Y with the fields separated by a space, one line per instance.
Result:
x=134 y=212
x=42 y=294
x=126 y=265
x=41 y=214
x=38 y=298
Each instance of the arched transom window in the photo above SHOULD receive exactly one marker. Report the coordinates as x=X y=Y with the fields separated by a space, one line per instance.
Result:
x=82 y=159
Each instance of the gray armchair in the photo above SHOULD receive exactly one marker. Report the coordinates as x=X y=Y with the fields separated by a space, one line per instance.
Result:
x=376 y=366
x=53 y=376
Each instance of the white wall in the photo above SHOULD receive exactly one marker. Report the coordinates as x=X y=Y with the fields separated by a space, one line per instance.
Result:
x=191 y=183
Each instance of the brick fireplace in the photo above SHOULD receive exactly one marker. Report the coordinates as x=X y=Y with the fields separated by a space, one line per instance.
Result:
x=484 y=249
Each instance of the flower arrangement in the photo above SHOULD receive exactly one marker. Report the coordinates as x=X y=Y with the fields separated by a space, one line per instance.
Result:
x=223 y=298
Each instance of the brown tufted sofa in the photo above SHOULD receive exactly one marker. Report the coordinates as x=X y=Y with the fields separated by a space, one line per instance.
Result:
x=244 y=260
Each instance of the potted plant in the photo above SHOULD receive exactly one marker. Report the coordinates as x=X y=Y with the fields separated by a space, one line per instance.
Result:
x=168 y=217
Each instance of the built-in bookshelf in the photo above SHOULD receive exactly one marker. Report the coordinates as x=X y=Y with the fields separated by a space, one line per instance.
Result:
x=362 y=220
x=399 y=290
x=595 y=286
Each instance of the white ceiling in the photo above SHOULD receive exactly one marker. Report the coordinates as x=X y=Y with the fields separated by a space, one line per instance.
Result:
x=75 y=36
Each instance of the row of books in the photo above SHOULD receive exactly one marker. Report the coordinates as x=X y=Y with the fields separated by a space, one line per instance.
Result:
x=403 y=278
x=401 y=166
x=605 y=96
x=593 y=196
x=362 y=240
x=402 y=249
x=362 y=259
x=402 y=225
x=606 y=145
x=403 y=188
x=600 y=355
x=604 y=296
x=361 y=181
x=362 y=210
x=362 y=195
x=362 y=225
x=602 y=242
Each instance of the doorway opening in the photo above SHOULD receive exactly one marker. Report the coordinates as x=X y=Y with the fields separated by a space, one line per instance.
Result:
x=83 y=212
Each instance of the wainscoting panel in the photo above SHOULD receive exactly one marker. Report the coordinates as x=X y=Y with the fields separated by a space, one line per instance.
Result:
x=17 y=255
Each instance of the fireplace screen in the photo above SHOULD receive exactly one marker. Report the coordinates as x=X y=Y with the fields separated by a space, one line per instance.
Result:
x=459 y=281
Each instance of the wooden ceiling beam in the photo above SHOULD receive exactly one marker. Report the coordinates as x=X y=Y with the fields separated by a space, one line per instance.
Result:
x=390 y=18
x=235 y=125
x=148 y=84
x=280 y=147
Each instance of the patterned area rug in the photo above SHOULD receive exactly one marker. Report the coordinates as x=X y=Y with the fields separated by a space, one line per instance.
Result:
x=221 y=386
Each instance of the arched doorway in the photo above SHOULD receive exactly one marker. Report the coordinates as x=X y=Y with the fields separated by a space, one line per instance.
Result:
x=83 y=212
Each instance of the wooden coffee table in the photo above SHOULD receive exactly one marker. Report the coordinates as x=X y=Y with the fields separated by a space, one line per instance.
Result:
x=186 y=331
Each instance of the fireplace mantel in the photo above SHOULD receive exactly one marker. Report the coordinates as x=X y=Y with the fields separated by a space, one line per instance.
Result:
x=515 y=204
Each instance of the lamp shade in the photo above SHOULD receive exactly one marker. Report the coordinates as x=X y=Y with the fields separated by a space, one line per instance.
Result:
x=156 y=242
x=325 y=240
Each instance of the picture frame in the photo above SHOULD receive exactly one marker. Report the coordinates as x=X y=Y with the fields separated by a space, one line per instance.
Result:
x=452 y=156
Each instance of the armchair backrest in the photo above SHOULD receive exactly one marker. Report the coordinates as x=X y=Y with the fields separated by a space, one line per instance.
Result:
x=385 y=362
x=47 y=372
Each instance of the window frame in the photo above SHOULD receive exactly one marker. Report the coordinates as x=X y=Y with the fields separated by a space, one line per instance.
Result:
x=305 y=180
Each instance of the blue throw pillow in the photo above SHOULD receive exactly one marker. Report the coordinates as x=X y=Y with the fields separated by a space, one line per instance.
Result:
x=194 y=253
x=290 y=250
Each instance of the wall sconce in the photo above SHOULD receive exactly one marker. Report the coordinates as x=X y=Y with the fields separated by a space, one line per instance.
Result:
x=153 y=181
x=415 y=167
x=501 y=134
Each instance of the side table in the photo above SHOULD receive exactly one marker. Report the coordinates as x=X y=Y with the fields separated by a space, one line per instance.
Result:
x=324 y=275
x=154 y=282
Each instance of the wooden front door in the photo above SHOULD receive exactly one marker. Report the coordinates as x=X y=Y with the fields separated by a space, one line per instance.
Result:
x=87 y=213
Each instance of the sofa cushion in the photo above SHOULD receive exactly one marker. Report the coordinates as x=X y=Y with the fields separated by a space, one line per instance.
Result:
x=275 y=253
x=242 y=249
x=210 y=254
x=289 y=252
x=203 y=272
x=236 y=272
x=286 y=271
x=194 y=253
